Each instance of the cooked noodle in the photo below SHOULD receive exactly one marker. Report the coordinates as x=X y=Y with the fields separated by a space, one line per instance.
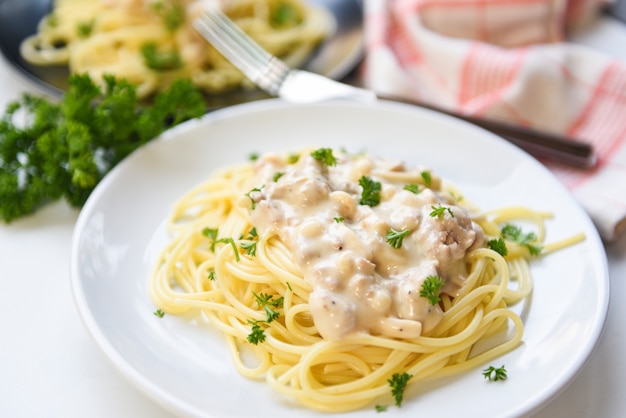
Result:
x=151 y=43
x=215 y=276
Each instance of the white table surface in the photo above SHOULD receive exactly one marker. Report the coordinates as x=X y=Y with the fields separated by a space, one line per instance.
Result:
x=50 y=367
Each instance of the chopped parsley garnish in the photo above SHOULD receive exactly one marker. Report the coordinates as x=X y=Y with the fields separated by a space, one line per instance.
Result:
x=339 y=219
x=253 y=156
x=250 y=244
x=278 y=175
x=293 y=158
x=498 y=245
x=370 y=195
x=284 y=15
x=514 y=233
x=494 y=374
x=324 y=156
x=257 y=334
x=159 y=312
x=439 y=211
x=230 y=241
x=52 y=150
x=395 y=238
x=160 y=60
x=430 y=289
x=269 y=304
x=413 y=188
x=172 y=13
x=211 y=275
x=252 y=202
x=380 y=408
x=211 y=234
x=252 y=234
x=427 y=178
x=52 y=20
x=398 y=384
x=85 y=29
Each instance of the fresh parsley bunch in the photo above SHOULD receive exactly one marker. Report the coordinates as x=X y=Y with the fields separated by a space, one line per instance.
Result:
x=53 y=150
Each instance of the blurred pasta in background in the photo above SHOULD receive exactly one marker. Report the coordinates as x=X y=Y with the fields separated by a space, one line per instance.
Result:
x=151 y=43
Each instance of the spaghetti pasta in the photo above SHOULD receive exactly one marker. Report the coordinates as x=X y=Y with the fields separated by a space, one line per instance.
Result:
x=287 y=259
x=151 y=43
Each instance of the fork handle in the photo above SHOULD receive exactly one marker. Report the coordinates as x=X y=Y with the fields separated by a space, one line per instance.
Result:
x=540 y=144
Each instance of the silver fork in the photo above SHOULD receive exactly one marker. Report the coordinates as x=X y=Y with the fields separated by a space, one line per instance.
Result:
x=275 y=77
x=267 y=71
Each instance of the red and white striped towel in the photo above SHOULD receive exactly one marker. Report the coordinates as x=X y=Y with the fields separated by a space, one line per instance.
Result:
x=509 y=60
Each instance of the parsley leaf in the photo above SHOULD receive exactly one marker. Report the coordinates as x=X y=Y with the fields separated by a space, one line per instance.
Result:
x=514 y=233
x=339 y=219
x=413 y=188
x=252 y=234
x=84 y=29
x=257 y=334
x=53 y=150
x=494 y=374
x=159 y=313
x=267 y=302
x=158 y=60
x=439 y=211
x=211 y=233
x=398 y=384
x=325 y=156
x=250 y=244
x=426 y=176
x=252 y=202
x=172 y=13
x=52 y=20
x=498 y=245
x=293 y=158
x=395 y=238
x=430 y=289
x=370 y=195
x=284 y=15
x=230 y=241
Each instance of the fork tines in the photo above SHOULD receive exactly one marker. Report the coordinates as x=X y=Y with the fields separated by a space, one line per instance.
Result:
x=262 y=68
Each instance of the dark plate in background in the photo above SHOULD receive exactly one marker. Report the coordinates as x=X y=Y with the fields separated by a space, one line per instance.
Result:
x=335 y=58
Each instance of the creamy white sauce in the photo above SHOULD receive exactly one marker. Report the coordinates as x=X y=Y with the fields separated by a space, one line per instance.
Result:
x=360 y=282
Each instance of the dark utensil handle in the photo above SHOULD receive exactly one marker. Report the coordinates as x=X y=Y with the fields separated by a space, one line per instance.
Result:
x=617 y=9
x=538 y=143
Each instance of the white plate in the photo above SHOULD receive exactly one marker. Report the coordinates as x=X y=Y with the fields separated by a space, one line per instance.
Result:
x=184 y=366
